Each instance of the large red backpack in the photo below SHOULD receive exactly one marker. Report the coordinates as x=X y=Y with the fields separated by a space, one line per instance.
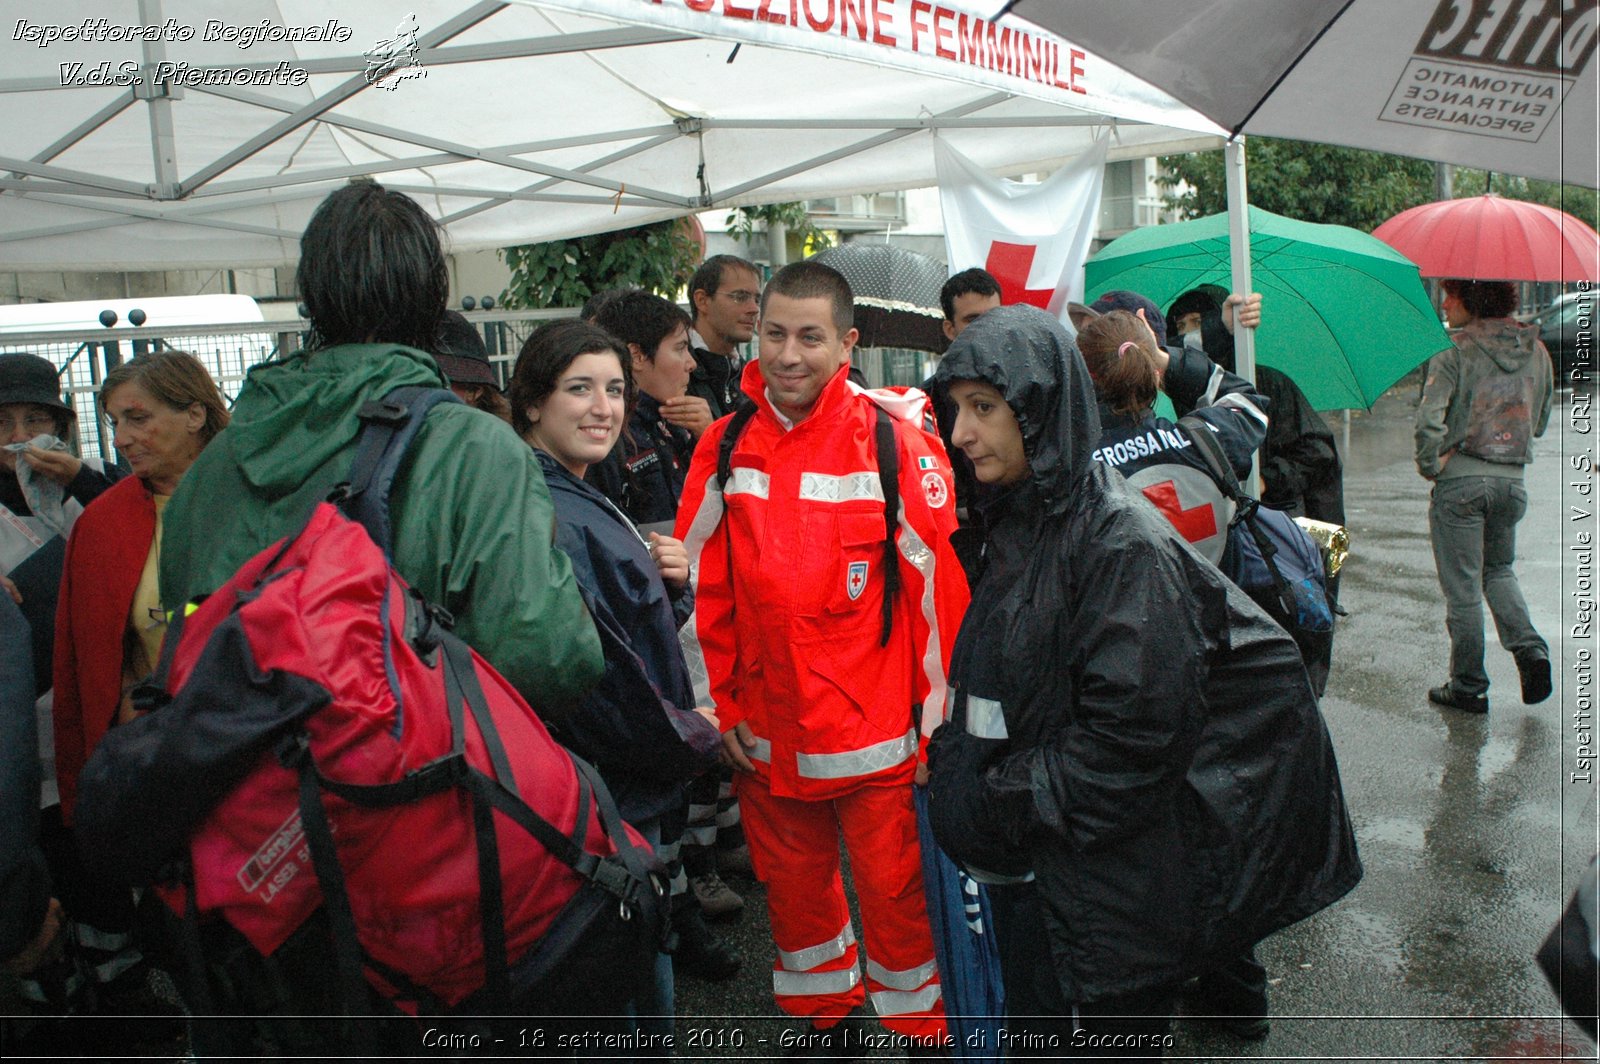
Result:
x=324 y=739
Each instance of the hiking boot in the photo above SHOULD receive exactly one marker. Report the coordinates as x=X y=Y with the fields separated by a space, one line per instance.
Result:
x=1445 y=695
x=736 y=862
x=1533 y=666
x=701 y=954
x=717 y=900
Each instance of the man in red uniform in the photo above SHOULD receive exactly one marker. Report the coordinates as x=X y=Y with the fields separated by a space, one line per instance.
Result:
x=787 y=641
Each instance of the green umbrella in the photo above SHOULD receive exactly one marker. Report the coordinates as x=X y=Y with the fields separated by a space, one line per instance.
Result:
x=1342 y=313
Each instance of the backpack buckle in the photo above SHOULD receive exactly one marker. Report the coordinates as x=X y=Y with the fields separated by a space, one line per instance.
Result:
x=383 y=412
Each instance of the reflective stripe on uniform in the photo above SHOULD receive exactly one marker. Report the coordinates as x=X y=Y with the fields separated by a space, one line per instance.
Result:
x=759 y=750
x=811 y=984
x=915 y=551
x=985 y=719
x=821 y=487
x=747 y=481
x=1237 y=401
x=704 y=523
x=863 y=762
x=909 y=979
x=803 y=960
x=902 y=1003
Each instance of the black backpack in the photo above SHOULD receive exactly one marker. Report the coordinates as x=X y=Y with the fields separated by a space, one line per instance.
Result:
x=1274 y=561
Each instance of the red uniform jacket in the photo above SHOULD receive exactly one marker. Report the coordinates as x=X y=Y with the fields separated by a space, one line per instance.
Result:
x=786 y=563
x=105 y=555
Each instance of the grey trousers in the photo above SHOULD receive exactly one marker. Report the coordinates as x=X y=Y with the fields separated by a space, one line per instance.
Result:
x=1473 y=521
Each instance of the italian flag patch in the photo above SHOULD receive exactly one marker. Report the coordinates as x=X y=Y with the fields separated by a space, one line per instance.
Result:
x=927 y=461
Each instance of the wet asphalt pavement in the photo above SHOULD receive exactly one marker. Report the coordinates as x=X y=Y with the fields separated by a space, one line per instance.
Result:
x=1471 y=828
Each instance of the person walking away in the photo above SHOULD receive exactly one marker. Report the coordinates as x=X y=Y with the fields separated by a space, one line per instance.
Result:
x=638 y=726
x=1484 y=402
x=813 y=658
x=1102 y=768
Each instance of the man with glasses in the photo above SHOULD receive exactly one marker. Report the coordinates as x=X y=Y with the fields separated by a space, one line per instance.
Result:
x=724 y=291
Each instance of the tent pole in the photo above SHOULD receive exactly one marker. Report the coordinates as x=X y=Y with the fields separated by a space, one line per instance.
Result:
x=1244 y=339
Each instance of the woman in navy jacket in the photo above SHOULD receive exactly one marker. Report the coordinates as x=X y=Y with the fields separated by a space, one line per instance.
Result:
x=639 y=725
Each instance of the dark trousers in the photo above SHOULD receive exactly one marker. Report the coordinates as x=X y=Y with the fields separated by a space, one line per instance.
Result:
x=1040 y=1021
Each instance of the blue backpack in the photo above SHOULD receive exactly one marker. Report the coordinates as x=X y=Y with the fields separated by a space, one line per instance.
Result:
x=1274 y=561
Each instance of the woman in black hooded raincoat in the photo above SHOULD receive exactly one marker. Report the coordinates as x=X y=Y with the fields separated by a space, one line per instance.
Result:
x=1135 y=760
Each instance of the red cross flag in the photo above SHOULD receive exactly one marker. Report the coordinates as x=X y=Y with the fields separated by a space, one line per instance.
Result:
x=1032 y=237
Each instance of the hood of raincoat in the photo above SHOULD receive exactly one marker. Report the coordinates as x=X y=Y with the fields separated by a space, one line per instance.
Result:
x=1507 y=343
x=1027 y=356
x=301 y=412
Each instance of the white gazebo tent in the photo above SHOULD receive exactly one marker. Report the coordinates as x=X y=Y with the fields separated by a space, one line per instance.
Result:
x=218 y=134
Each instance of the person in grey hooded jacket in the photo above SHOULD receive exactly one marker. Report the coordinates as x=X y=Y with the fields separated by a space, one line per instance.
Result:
x=1483 y=403
x=1134 y=758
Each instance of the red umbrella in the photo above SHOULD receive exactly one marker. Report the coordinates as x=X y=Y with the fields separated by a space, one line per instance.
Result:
x=1487 y=238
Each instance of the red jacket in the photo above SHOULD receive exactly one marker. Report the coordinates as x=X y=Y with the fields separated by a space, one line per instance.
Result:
x=788 y=642
x=105 y=555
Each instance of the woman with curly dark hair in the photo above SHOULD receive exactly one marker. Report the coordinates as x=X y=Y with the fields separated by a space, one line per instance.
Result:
x=1484 y=401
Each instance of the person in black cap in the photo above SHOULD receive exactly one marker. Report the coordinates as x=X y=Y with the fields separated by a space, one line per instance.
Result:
x=465 y=363
x=1300 y=467
x=31 y=406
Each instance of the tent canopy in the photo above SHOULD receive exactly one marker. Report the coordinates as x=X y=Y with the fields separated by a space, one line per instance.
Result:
x=151 y=134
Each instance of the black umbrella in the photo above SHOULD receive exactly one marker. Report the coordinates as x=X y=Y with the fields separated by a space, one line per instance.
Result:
x=897 y=295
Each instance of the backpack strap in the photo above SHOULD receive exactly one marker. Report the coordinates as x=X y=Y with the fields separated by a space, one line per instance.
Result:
x=388 y=426
x=888 y=455
x=1210 y=449
x=889 y=479
x=730 y=437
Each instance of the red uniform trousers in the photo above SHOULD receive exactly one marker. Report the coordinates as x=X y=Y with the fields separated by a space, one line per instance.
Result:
x=794 y=847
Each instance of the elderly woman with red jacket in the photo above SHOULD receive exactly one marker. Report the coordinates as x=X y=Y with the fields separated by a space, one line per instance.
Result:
x=164 y=409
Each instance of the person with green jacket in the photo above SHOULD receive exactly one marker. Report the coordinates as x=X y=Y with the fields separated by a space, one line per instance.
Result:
x=473 y=524
x=473 y=519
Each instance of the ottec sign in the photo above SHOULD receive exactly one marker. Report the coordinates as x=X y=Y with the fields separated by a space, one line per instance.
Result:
x=1495 y=68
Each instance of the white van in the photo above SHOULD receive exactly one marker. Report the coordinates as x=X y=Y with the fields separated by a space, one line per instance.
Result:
x=227 y=333
x=159 y=312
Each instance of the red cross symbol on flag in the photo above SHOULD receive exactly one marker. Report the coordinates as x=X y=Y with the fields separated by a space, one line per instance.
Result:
x=1010 y=264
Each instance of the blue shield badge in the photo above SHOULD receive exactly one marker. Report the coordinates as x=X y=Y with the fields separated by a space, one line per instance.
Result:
x=856 y=580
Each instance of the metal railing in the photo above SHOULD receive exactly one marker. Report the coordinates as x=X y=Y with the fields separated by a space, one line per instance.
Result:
x=83 y=358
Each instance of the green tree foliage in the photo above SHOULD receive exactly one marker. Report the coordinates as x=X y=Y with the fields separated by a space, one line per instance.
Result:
x=1341 y=186
x=742 y=222
x=565 y=273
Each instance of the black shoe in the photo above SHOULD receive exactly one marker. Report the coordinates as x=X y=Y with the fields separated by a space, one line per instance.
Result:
x=1248 y=1028
x=1445 y=695
x=1534 y=668
x=700 y=953
x=842 y=1041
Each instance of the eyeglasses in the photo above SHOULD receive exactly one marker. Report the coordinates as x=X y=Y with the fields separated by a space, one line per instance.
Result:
x=36 y=424
x=741 y=296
